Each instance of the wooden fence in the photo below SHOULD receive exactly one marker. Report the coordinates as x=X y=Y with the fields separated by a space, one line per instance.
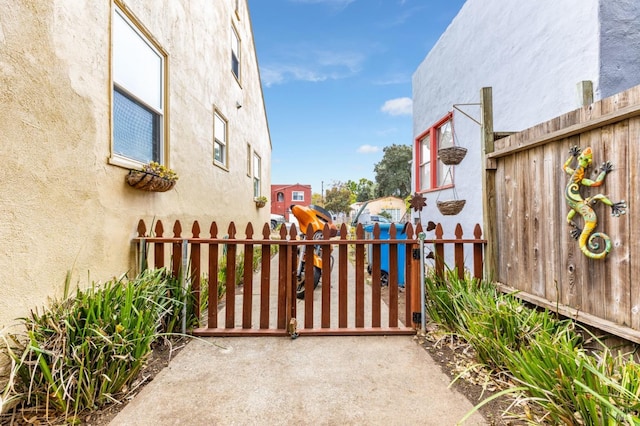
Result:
x=204 y=256
x=530 y=248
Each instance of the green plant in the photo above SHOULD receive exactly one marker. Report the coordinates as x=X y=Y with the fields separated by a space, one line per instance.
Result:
x=85 y=352
x=539 y=351
x=160 y=170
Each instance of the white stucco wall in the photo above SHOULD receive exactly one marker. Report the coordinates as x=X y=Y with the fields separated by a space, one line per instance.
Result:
x=532 y=54
x=64 y=205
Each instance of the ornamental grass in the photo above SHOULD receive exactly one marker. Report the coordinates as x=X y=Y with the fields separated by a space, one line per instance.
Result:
x=542 y=353
x=86 y=351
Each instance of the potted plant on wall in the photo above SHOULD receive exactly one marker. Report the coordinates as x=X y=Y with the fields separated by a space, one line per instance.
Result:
x=260 y=201
x=153 y=177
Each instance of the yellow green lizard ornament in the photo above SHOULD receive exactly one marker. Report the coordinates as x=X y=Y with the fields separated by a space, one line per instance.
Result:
x=585 y=236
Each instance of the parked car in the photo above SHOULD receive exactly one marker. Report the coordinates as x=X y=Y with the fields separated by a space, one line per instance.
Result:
x=379 y=219
x=276 y=219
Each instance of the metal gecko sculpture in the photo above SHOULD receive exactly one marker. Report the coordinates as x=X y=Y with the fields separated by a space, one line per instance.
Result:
x=585 y=236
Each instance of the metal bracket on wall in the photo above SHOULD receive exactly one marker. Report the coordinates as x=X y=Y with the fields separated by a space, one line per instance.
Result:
x=455 y=106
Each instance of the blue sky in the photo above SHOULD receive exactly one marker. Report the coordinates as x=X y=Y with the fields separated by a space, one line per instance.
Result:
x=336 y=76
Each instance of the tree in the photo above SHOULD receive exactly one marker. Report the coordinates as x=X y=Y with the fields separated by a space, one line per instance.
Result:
x=338 y=198
x=317 y=199
x=363 y=190
x=393 y=172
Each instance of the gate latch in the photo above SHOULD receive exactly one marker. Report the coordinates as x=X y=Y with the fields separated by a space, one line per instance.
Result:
x=417 y=317
x=415 y=253
x=293 y=328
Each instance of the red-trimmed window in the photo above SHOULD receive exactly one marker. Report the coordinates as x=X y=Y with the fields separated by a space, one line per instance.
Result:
x=431 y=173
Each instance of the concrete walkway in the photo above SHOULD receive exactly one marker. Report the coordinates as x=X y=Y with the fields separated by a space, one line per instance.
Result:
x=307 y=381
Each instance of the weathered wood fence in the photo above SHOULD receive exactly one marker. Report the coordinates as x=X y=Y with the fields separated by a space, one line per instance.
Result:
x=204 y=256
x=530 y=248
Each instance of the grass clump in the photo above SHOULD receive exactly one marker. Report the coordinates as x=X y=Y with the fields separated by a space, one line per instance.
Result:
x=541 y=352
x=86 y=351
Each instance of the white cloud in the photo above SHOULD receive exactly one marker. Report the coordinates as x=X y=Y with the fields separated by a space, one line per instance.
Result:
x=399 y=106
x=368 y=149
x=312 y=66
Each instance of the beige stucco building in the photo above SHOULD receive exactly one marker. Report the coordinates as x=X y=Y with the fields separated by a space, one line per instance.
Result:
x=93 y=88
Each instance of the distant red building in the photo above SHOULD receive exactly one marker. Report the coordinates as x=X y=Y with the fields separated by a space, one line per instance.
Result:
x=283 y=196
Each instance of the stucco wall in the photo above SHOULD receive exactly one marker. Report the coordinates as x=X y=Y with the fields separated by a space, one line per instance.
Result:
x=64 y=206
x=532 y=54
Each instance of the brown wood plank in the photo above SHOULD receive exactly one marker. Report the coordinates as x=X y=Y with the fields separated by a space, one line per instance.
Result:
x=393 y=279
x=633 y=201
x=247 y=284
x=376 y=297
x=230 y=301
x=521 y=219
x=212 y=304
x=265 y=283
x=509 y=222
x=342 y=280
x=309 y=272
x=410 y=281
x=158 y=248
x=176 y=252
x=458 y=252
x=195 y=270
x=360 y=254
x=478 y=248
x=539 y=220
x=618 y=266
x=438 y=252
x=326 y=281
x=583 y=127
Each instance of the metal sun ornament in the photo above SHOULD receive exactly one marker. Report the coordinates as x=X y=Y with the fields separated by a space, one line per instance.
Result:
x=418 y=202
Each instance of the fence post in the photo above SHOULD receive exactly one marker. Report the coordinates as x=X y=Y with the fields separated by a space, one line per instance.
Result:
x=477 y=253
x=458 y=250
x=489 y=181
x=195 y=269
x=423 y=323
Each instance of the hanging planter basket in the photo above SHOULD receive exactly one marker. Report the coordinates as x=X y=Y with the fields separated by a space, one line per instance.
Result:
x=451 y=207
x=260 y=202
x=452 y=155
x=149 y=181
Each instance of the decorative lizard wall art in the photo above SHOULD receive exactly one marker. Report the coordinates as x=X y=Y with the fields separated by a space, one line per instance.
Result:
x=585 y=236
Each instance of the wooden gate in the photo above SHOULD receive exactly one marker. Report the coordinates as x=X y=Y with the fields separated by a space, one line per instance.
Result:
x=259 y=278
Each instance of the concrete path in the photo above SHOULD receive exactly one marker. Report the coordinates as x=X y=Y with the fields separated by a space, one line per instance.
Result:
x=307 y=381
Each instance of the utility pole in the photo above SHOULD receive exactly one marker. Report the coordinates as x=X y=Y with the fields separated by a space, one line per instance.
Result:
x=322 y=192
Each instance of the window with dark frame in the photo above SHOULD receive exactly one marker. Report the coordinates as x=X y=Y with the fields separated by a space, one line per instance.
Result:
x=138 y=93
x=431 y=173
x=235 y=53
x=220 y=148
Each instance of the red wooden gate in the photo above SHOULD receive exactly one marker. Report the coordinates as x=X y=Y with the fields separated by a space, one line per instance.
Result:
x=260 y=298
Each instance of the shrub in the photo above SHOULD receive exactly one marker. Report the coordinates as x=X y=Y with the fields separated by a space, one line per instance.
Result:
x=539 y=351
x=85 y=352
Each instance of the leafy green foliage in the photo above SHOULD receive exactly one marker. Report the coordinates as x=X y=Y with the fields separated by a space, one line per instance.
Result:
x=393 y=172
x=338 y=198
x=539 y=351
x=84 y=352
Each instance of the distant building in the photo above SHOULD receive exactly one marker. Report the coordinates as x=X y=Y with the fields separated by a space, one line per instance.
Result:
x=394 y=207
x=283 y=196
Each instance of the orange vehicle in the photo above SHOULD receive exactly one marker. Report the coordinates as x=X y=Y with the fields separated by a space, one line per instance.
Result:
x=316 y=217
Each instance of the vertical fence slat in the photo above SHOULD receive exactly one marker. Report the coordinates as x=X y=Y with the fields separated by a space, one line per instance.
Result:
x=212 y=309
x=478 y=263
x=376 y=297
x=325 y=288
x=176 y=254
x=230 y=302
x=393 y=278
x=309 y=280
x=342 y=279
x=195 y=269
x=265 y=277
x=158 y=248
x=458 y=252
x=438 y=249
x=360 y=253
x=247 y=291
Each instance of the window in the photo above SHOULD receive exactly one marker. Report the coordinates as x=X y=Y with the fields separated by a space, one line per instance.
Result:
x=249 y=159
x=280 y=197
x=297 y=196
x=138 y=93
x=432 y=173
x=257 y=175
x=220 y=140
x=235 y=53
